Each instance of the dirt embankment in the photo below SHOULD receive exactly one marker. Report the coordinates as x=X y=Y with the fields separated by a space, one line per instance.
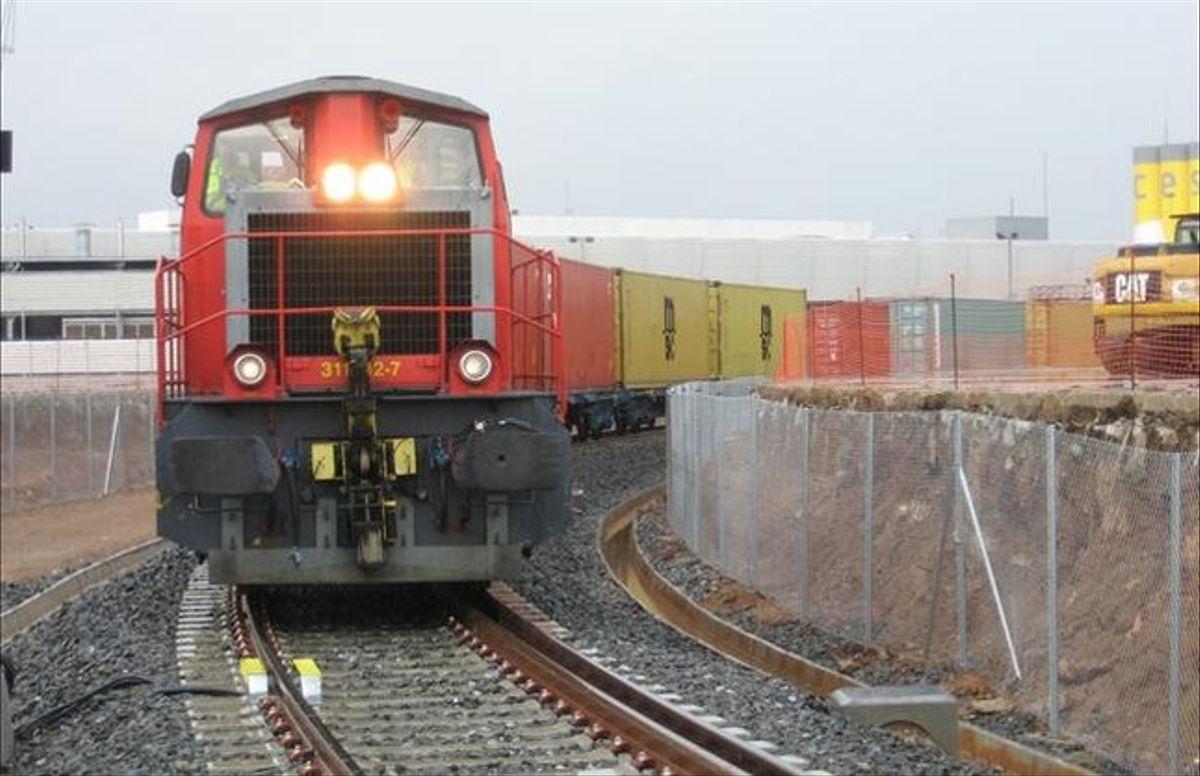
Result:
x=1112 y=560
x=1155 y=420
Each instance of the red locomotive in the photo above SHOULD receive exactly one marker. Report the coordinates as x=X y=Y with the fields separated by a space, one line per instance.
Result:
x=361 y=373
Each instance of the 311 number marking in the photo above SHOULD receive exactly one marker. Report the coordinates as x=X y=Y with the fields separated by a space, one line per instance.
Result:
x=380 y=367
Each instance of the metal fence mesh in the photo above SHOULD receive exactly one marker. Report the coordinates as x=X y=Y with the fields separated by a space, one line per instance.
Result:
x=1062 y=568
x=64 y=446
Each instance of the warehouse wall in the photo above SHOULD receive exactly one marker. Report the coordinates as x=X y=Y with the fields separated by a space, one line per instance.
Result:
x=52 y=357
x=833 y=269
x=828 y=268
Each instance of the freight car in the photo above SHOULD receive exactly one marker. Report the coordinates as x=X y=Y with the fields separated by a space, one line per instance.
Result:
x=630 y=335
x=360 y=372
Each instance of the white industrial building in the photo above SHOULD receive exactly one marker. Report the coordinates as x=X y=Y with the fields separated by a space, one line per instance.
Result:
x=88 y=283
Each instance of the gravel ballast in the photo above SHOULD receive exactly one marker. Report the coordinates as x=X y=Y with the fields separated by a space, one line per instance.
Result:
x=13 y=593
x=567 y=580
x=126 y=627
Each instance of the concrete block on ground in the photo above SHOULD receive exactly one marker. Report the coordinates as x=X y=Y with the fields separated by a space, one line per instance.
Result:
x=924 y=706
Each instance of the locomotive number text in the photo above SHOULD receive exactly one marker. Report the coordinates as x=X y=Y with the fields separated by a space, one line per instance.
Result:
x=380 y=367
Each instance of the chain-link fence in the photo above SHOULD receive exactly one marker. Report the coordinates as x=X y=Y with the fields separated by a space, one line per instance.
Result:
x=62 y=446
x=1062 y=568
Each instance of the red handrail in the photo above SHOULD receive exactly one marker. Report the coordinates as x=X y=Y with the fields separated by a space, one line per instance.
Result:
x=172 y=325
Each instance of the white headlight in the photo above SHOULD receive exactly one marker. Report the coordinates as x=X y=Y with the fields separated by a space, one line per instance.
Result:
x=475 y=366
x=337 y=182
x=249 y=369
x=1185 y=290
x=377 y=183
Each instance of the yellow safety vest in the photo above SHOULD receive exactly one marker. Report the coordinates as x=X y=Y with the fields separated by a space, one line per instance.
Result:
x=214 y=197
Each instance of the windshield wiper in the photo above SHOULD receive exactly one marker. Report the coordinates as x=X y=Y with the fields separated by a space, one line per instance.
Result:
x=293 y=155
x=408 y=138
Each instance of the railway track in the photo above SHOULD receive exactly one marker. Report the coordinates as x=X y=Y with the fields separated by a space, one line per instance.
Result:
x=454 y=681
x=631 y=569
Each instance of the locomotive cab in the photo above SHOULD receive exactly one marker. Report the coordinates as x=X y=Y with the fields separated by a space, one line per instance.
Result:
x=360 y=371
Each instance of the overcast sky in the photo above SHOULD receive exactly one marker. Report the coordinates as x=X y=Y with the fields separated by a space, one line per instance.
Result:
x=903 y=115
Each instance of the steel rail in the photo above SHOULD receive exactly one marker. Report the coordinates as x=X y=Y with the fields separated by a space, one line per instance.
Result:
x=26 y=614
x=630 y=568
x=329 y=754
x=671 y=739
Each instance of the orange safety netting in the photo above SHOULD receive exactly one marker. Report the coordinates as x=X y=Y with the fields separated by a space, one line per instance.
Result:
x=1055 y=336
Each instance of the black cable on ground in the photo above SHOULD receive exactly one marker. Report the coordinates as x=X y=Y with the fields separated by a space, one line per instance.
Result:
x=120 y=683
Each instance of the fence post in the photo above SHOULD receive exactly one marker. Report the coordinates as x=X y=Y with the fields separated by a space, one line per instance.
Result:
x=960 y=559
x=54 y=447
x=868 y=528
x=954 y=326
x=87 y=419
x=692 y=419
x=12 y=451
x=985 y=556
x=1052 y=699
x=862 y=352
x=112 y=447
x=802 y=523
x=755 y=501
x=1176 y=619
x=722 y=492
x=1131 y=286
x=151 y=432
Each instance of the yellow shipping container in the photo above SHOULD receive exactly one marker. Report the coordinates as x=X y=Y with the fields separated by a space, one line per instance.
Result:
x=746 y=327
x=1177 y=195
x=662 y=329
x=1193 y=176
x=1058 y=333
x=1166 y=182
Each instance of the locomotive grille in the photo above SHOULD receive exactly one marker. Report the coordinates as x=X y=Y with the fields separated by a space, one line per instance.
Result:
x=351 y=271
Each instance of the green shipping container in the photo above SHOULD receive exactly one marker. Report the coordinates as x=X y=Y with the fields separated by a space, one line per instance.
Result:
x=991 y=335
x=746 y=325
x=662 y=329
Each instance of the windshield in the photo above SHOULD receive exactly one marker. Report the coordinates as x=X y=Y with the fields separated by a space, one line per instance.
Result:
x=1187 y=231
x=429 y=154
x=265 y=156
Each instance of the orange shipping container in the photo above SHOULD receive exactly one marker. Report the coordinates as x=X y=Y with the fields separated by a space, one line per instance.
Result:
x=1058 y=332
x=849 y=339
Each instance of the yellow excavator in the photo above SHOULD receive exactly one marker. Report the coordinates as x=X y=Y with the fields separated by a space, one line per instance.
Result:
x=1146 y=305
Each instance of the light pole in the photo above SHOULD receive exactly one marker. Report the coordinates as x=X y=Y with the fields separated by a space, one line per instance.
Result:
x=584 y=241
x=1009 y=237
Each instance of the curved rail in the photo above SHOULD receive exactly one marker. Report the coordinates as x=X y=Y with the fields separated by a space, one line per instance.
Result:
x=662 y=735
x=24 y=615
x=501 y=629
x=631 y=569
x=330 y=756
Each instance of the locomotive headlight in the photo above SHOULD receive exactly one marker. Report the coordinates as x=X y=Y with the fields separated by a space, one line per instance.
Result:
x=377 y=182
x=337 y=182
x=250 y=369
x=475 y=366
x=1185 y=290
